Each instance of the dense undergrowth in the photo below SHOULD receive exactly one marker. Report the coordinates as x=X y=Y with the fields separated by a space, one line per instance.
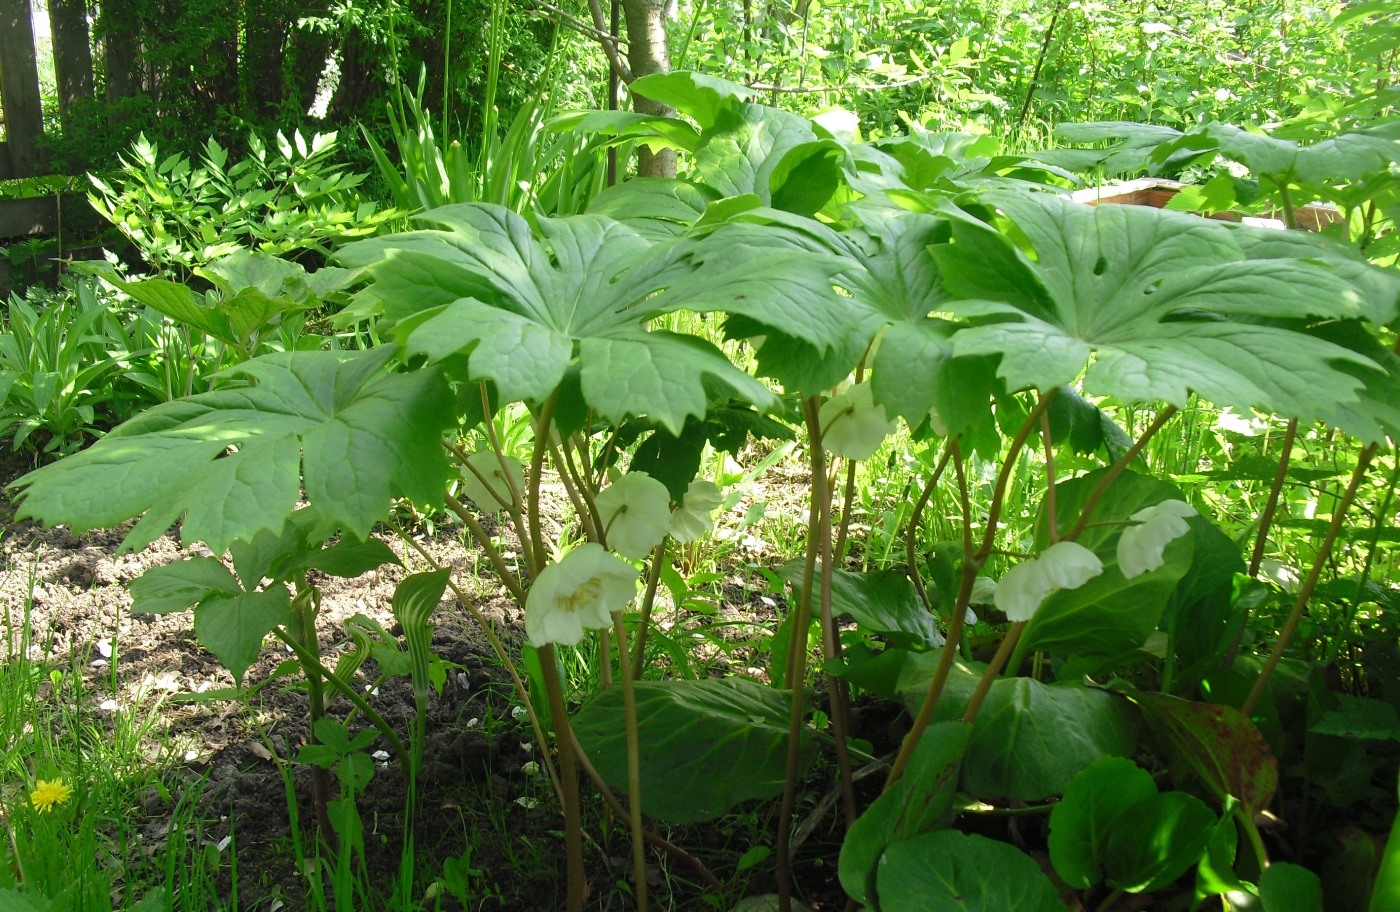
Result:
x=1090 y=597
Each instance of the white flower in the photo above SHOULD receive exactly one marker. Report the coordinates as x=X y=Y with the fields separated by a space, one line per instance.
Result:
x=936 y=422
x=578 y=593
x=636 y=514
x=1140 y=547
x=488 y=484
x=984 y=591
x=1063 y=565
x=695 y=516
x=852 y=425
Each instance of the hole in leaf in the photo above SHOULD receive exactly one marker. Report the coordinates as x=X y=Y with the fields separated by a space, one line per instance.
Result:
x=1101 y=266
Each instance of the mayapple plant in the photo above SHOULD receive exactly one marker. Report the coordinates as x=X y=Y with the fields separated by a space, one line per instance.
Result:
x=902 y=280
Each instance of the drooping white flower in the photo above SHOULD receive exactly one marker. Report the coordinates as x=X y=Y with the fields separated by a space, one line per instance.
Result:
x=636 y=514
x=1141 y=546
x=695 y=515
x=852 y=425
x=577 y=594
x=488 y=479
x=984 y=591
x=1063 y=565
x=936 y=422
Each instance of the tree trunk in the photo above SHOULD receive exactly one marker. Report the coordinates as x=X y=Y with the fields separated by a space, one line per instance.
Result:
x=72 y=52
x=120 y=52
x=19 y=88
x=649 y=53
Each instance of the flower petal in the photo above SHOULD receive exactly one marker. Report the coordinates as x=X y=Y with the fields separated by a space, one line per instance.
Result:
x=852 y=425
x=636 y=514
x=1141 y=547
x=577 y=594
x=695 y=516
x=487 y=484
x=1063 y=565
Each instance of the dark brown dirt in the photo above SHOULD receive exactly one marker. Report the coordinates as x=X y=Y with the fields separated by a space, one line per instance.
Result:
x=477 y=802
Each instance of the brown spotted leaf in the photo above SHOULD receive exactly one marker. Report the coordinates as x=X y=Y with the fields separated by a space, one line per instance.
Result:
x=1216 y=745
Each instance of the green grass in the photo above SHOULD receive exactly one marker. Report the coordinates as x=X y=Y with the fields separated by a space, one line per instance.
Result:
x=94 y=749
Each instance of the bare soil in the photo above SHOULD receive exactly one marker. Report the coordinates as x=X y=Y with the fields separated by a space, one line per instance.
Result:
x=478 y=798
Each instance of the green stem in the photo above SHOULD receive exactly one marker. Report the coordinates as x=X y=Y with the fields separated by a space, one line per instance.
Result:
x=345 y=689
x=1266 y=517
x=483 y=539
x=634 y=765
x=536 y=546
x=992 y=672
x=1324 y=552
x=304 y=624
x=1109 y=901
x=521 y=691
x=658 y=560
x=1052 y=532
x=1261 y=538
x=796 y=667
x=1117 y=469
x=972 y=563
x=1251 y=832
x=911 y=561
x=568 y=778
x=831 y=640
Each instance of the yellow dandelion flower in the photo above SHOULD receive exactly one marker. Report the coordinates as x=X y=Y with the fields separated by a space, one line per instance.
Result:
x=49 y=793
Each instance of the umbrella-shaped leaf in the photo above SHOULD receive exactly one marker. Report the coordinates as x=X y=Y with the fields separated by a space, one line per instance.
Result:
x=1147 y=305
x=233 y=461
x=523 y=307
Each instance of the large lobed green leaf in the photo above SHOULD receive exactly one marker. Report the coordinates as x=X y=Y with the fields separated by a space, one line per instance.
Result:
x=1149 y=305
x=527 y=307
x=234 y=461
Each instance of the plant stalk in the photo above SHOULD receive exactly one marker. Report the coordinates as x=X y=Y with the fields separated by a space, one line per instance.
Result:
x=1324 y=552
x=972 y=563
x=568 y=778
x=634 y=765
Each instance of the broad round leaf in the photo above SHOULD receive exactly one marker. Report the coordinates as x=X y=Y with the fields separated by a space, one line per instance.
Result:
x=948 y=871
x=1156 y=841
x=1094 y=801
x=705 y=745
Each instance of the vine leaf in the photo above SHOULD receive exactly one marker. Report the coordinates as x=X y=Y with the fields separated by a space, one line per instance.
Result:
x=1147 y=305
x=234 y=461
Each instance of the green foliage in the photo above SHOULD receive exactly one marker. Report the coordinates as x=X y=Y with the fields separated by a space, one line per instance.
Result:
x=316 y=408
x=705 y=745
x=950 y=871
x=933 y=280
x=292 y=199
x=60 y=361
